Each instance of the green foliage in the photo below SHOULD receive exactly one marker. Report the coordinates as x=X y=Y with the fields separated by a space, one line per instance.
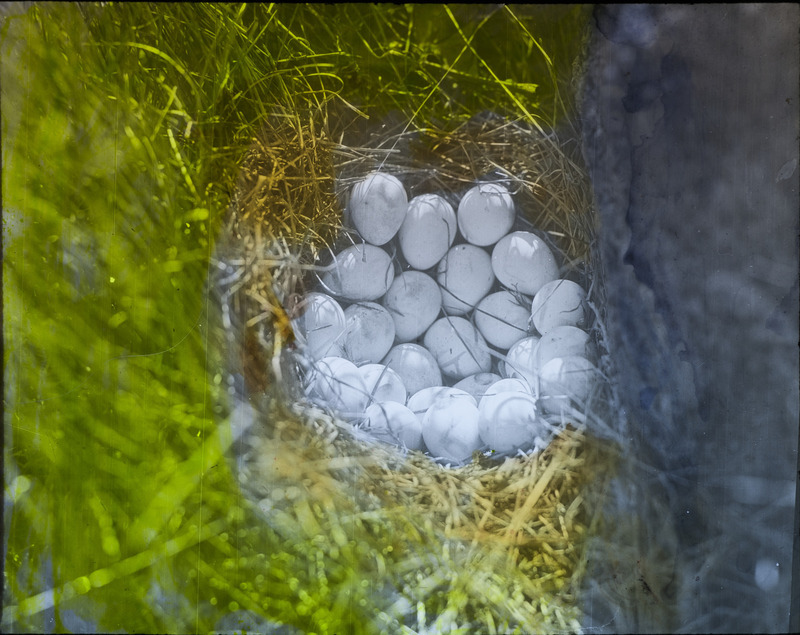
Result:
x=123 y=126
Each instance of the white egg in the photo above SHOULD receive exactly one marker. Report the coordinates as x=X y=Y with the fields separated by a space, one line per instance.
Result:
x=368 y=334
x=415 y=365
x=450 y=429
x=520 y=362
x=522 y=262
x=378 y=207
x=414 y=302
x=486 y=214
x=428 y=231
x=465 y=275
x=382 y=383
x=559 y=303
x=501 y=319
x=423 y=399
x=510 y=384
x=320 y=328
x=358 y=273
x=477 y=384
x=337 y=384
x=562 y=341
x=565 y=379
x=508 y=420
x=392 y=422
x=458 y=347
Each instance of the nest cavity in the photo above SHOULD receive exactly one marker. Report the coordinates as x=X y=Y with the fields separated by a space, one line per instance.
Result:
x=493 y=546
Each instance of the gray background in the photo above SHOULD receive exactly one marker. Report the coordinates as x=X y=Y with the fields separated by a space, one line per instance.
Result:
x=691 y=135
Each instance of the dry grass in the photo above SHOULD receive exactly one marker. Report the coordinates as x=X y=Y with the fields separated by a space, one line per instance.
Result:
x=126 y=130
x=498 y=544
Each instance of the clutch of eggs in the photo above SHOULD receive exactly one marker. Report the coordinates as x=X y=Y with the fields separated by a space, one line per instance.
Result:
x=441 y=329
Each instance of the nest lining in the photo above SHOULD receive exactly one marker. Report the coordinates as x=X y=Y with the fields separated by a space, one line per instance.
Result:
x=506 y=538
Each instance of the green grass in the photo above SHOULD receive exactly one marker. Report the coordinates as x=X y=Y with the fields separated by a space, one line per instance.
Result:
x=123 y=126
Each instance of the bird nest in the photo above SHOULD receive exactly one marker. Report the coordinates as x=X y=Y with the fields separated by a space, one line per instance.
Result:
x=497 y=545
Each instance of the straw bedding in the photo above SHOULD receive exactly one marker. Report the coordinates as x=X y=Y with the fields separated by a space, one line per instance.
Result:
x=496 y=545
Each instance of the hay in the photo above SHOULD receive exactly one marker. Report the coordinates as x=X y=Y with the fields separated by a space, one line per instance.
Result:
x=496 y=545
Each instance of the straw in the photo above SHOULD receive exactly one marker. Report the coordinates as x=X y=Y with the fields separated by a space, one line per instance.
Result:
x=498 y=544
